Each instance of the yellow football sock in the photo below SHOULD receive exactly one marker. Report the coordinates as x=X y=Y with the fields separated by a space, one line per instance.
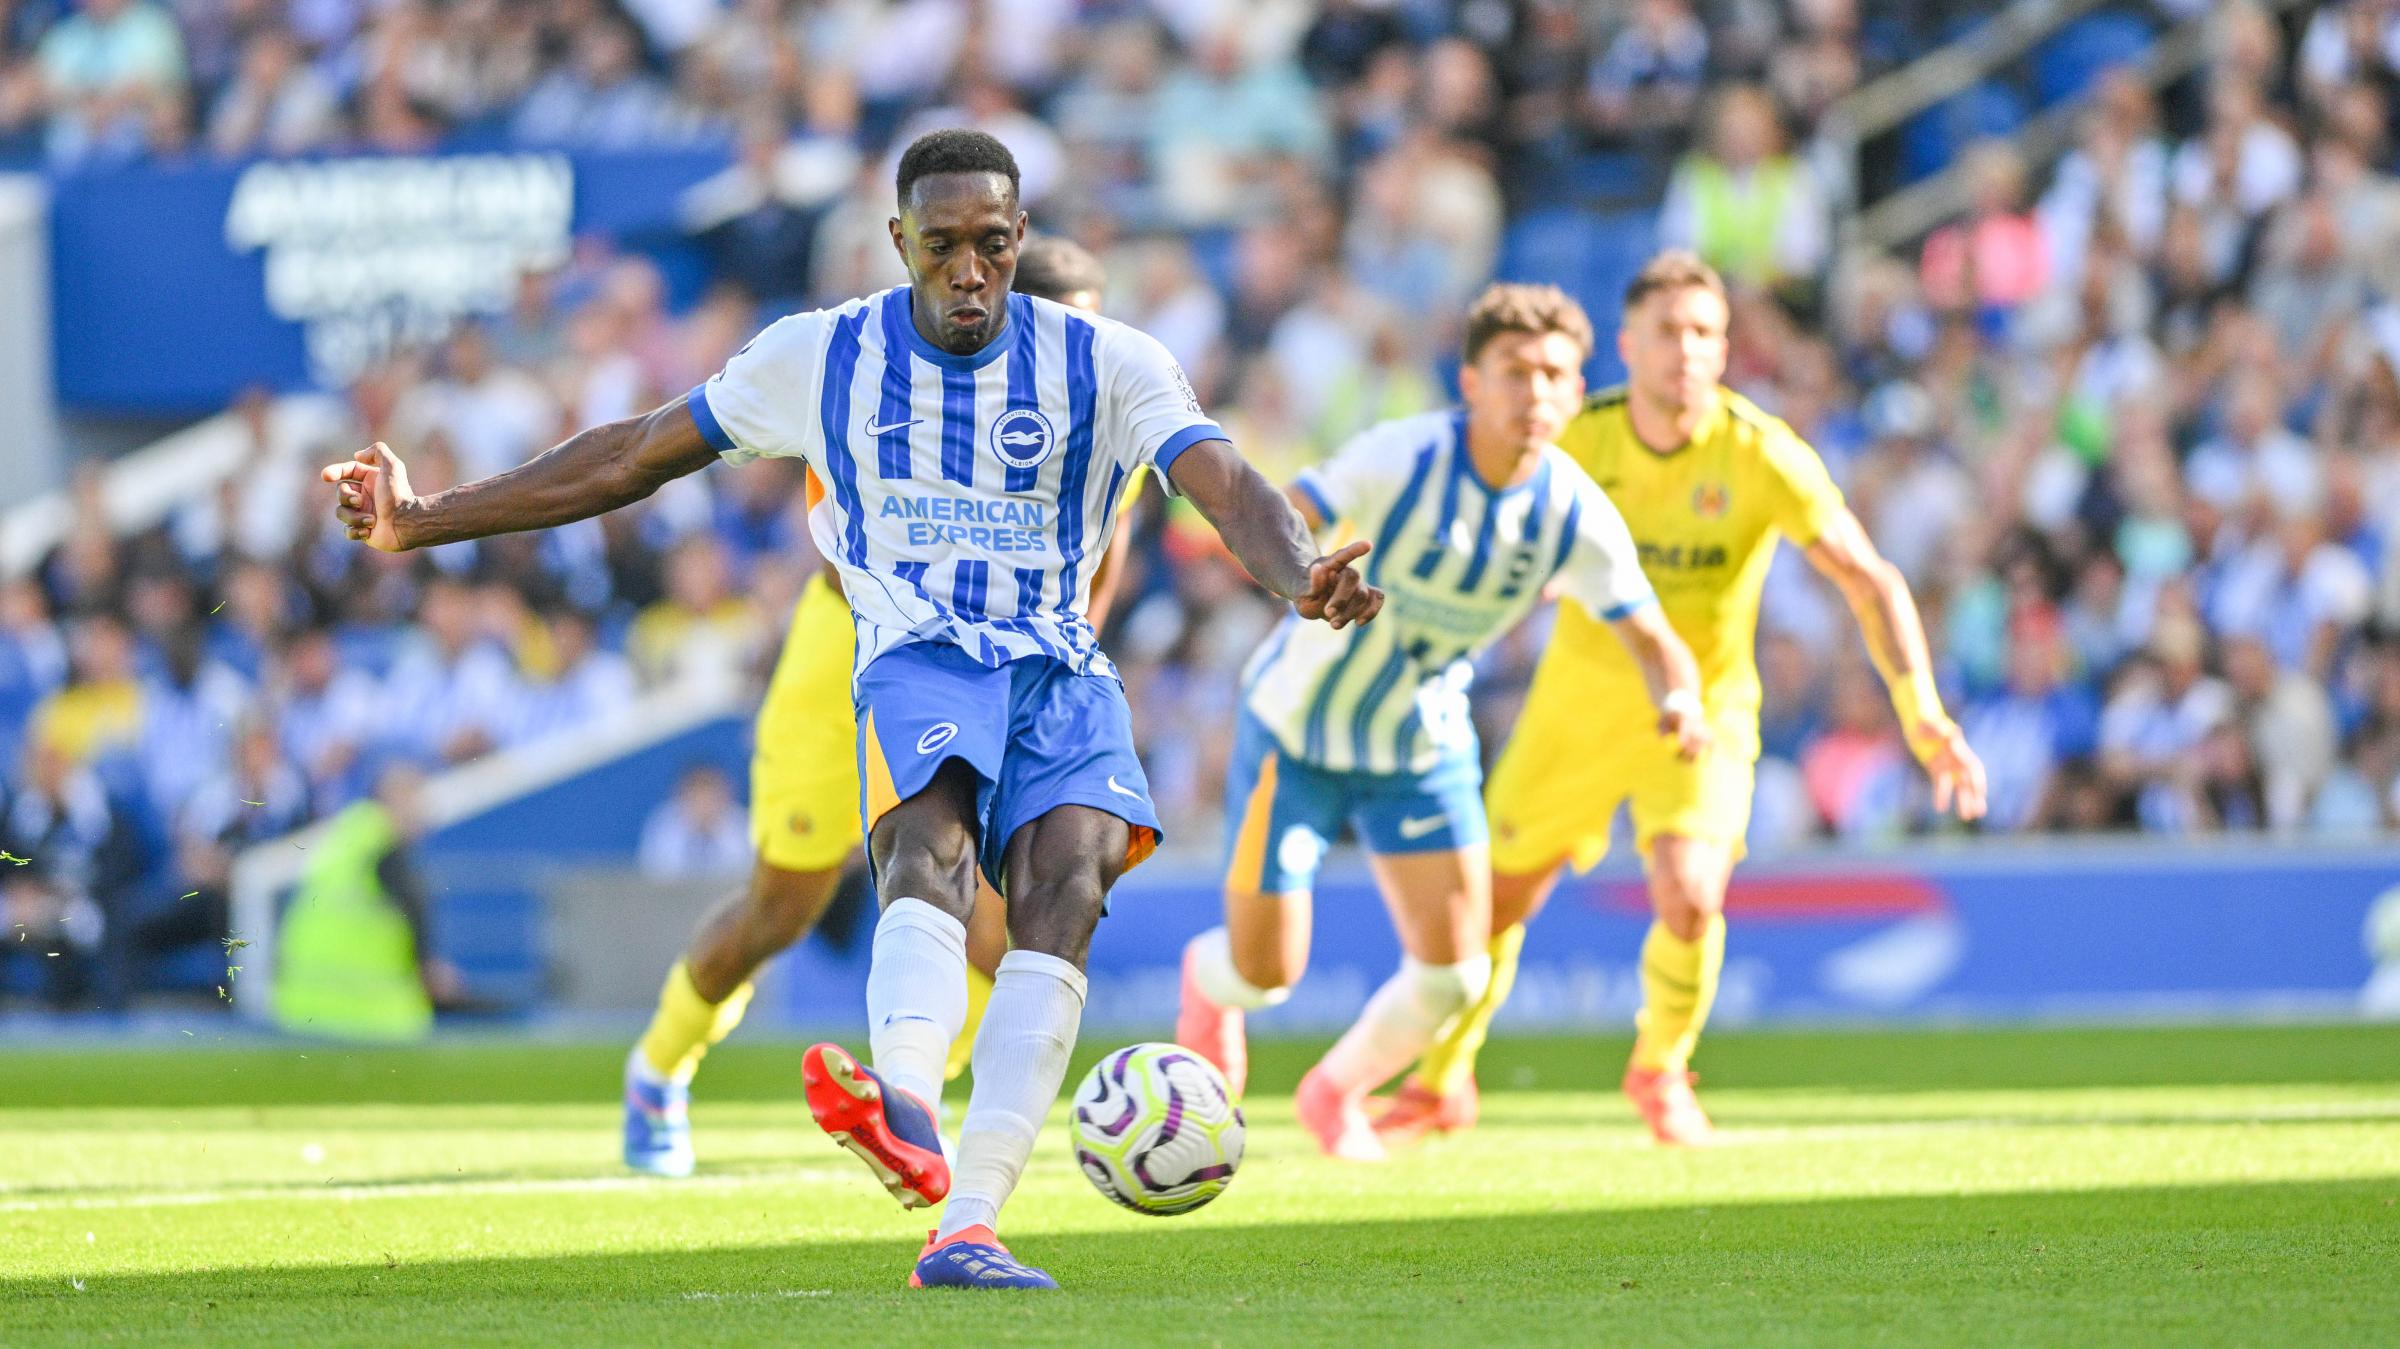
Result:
x=1450 y=1064
x=1679 y=981
x=686 y=1024
x=962 y=1049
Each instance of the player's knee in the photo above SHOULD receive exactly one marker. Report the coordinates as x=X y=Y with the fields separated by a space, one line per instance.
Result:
x=1270 y=970
x=1056 y=913
x=1443 y=991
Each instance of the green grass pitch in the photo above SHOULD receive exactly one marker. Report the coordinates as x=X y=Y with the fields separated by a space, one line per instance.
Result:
x=2172 y=1186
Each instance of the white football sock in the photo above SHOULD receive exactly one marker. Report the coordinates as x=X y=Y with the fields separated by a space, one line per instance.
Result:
x=1402 y=1018
x=1021 y=1057
x=1213 y=970
x=916 y=996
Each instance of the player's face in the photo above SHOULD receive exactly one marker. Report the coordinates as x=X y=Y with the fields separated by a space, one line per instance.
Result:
x=958 y=235
x=1673 y=344
x=1523 y=387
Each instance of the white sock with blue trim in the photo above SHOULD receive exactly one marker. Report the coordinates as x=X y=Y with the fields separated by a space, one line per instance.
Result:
x=916 y=996
x=1021 y=1057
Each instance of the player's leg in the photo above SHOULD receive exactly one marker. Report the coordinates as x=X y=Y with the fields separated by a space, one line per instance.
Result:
x=1440 y=902
x=1074 y=809
x=705 y=996
x=1689 y=819
x=1682 y=958
x=1550 y=799
x=1440 y=1096
x=804 y=828
x=1281 y=815
x=932 y=736
x=987 y=941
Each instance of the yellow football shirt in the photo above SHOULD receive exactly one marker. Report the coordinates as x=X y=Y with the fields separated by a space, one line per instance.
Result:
x=1705 y=518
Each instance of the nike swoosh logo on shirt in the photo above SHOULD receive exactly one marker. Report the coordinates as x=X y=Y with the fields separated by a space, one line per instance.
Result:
x=1419 y=828
x=876 y=430
x=1122 y=791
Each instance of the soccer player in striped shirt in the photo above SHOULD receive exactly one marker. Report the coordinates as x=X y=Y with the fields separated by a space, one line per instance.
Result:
x=974 y=445
x=1474 y=514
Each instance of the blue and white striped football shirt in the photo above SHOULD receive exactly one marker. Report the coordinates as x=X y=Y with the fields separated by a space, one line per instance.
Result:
x=1460 y=562
x=968 y=498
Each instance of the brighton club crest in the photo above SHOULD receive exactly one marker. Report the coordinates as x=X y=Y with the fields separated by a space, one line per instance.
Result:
x=1023 y=438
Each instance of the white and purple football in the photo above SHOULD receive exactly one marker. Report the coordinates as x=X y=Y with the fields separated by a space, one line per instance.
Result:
x=1155 y=1129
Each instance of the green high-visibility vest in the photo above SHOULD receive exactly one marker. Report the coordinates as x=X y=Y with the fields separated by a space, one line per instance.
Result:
x=346 y=959
x=1736 y=226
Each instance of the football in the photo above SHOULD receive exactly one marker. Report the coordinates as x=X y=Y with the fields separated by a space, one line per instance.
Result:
x=1155 y=1129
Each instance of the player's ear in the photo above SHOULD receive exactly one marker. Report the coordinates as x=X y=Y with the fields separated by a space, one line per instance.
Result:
x=900 y=242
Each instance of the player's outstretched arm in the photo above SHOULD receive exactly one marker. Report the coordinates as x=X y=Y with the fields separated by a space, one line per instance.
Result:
x=1887 y=613
x=1269 y=537
x=1671 y=674
x=589 y=474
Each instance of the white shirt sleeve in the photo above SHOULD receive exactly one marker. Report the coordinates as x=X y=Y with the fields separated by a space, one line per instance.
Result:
x=764 y=403
x=1602 y=570
x=1361 y=479
x=1148 y=402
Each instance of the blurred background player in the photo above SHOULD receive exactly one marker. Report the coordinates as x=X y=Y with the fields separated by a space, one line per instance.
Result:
x=804 y=819
x=1474 y=513
x=1707 y=483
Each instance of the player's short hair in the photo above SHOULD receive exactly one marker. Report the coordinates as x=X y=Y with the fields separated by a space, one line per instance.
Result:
x=1672 y=270
x=955 y=150
x=1055 y=268
x=1512 y=308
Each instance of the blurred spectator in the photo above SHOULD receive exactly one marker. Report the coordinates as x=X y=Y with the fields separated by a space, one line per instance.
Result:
x=100 y=706
x=327 y=713
x=2032 y=730
x=1994 y=260
x=1858 y=771
x=258 y=798
x=702 y=629
x=699 y=833
x=111 y=76
x=279 y=105
x=2288 y=720
x=1647 y=83
x=355 y=958
x=605 y=100
x=1745 y=204
x=33 y=661
x=1215 y=124
x=583 y=683
x=493 y=416
x=452 y=693
x=2157 y=724
x=189 y=705
x=69 y=858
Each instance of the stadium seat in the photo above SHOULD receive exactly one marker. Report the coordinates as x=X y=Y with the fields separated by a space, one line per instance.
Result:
x=1929 y=139
x=2065 y=66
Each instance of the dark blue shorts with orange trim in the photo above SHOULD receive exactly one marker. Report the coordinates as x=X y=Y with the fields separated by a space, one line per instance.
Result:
x=1036 y=734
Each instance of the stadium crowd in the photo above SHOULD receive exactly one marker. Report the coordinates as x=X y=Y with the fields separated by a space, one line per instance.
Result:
x=2129 y=424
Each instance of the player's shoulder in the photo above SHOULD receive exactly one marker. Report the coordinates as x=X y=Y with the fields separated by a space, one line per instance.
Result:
x=1746 y=423
x=804 y=332
x=1393 y=446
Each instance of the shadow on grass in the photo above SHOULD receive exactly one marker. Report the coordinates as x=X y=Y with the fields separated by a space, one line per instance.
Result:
x=2291 y=1263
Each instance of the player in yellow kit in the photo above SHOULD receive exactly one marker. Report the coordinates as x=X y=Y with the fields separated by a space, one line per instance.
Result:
x=1707 y=483
x=804 y=821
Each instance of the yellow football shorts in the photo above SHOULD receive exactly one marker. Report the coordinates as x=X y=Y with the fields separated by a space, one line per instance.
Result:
x=1576 y=756
x=804 y=765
